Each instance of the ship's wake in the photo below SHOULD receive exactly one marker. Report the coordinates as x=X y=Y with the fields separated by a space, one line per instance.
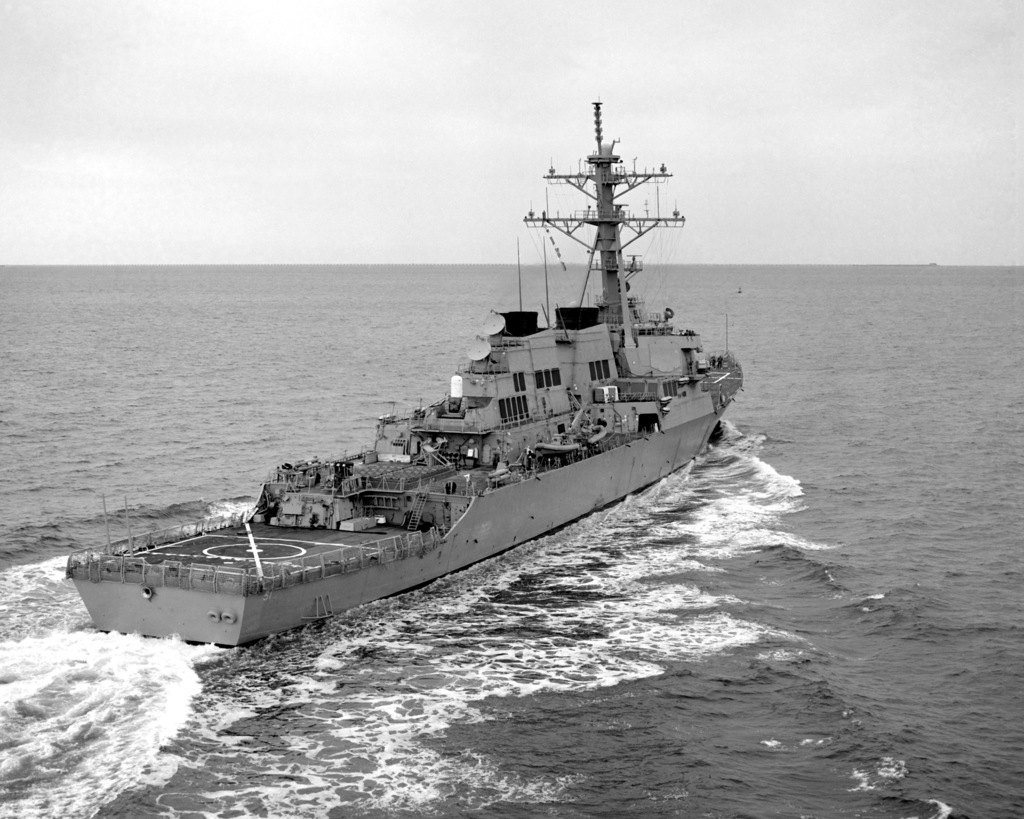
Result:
x=358 y=711
x=81 y=713
x=84 y=713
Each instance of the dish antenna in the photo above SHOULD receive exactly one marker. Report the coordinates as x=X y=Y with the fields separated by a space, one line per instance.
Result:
x=494 y=324
x=479 y=349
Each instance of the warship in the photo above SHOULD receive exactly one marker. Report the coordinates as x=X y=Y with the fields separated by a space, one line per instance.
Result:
x=541 y=425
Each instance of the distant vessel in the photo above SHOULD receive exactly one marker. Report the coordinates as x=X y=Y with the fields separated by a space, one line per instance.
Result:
x=541 y=426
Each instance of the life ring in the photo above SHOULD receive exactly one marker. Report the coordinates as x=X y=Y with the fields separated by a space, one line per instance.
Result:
x=147 y=592
x=669 y=314
x=228 y=617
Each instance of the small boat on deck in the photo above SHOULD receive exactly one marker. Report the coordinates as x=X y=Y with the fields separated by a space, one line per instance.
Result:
x=557 y=448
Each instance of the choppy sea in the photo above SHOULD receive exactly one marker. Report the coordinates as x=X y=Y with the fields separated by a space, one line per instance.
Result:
x=823 y=617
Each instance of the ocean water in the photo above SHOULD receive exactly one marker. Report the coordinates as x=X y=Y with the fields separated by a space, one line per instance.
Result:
x=823 y=617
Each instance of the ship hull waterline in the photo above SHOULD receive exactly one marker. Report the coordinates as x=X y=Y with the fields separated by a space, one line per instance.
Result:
x=495 y=522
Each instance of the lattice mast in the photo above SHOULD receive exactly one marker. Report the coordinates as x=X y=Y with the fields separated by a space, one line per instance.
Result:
x=608 y=217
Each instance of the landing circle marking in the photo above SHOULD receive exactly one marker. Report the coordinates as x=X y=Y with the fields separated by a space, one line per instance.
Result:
x=266 y=551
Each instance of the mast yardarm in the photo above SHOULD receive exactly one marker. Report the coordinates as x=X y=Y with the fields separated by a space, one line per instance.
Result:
x=608 y=217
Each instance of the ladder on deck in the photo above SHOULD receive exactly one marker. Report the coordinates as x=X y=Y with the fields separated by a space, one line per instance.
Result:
x=416 y=513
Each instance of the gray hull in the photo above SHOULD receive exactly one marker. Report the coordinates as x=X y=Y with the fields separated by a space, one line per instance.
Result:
x=494 y=522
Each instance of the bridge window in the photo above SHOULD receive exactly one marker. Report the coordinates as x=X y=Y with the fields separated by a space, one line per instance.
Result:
x=513 y=408
x=599 y=370
x=548 y=378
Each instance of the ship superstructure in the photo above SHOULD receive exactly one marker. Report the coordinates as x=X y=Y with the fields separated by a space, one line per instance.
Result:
x=540 y=426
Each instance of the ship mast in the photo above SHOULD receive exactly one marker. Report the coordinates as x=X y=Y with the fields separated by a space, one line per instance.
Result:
x=608 y=217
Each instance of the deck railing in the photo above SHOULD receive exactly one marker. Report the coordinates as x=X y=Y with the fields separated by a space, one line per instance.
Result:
x=128 y=568
x=451 y=425
x=172 y=534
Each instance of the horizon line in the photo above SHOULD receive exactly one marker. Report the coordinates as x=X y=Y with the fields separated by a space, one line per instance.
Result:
x=487 y=264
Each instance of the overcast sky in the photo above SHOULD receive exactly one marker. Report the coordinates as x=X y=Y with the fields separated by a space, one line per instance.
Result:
x=799 y=131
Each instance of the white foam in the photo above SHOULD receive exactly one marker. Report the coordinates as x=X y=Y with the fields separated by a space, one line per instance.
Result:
x=35 y=599
x=884 y=772
x=776 y=484
x=942 y=810
x=609 y=600
x=86 y=714
x=569 y=613
x=227 y=508
x=782 y=655
x=732 y=509
x=591 y=607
